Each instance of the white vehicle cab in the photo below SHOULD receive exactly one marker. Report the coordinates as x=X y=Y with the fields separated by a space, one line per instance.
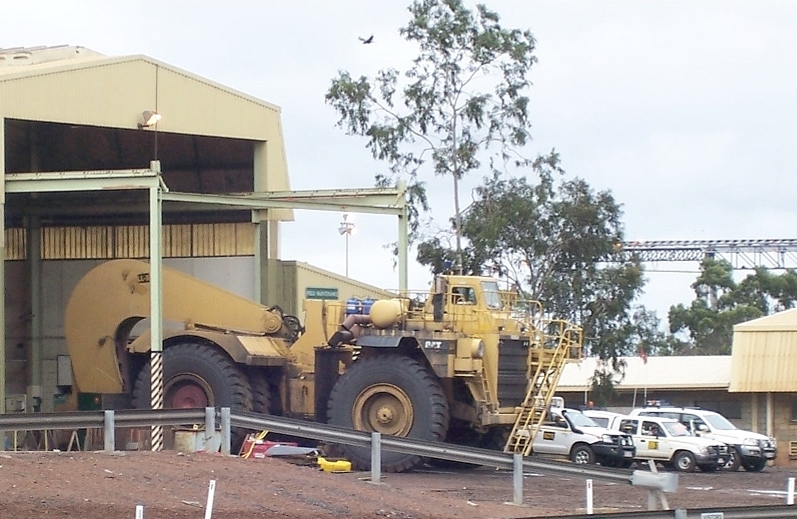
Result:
x=745 y=448
x=602 y=418
x=568 y=432
x=668 y=441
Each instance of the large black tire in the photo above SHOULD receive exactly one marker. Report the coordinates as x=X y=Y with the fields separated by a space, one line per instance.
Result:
x=754 y=466
x=684 y=461
x=261 y=393
x=734 y=460
x=458 y=435
x=393 y=395
x=197 y=375
x=582 y=454
x=495 y=439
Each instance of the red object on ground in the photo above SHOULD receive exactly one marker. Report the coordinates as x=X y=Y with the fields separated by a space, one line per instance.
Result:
x=258 y=449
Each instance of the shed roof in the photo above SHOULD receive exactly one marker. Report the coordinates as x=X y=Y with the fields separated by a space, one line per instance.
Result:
x=781 y=321
x=658 y=372
x=77 y=86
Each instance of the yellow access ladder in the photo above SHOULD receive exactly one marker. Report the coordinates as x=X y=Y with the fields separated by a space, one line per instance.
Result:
x=546 y=362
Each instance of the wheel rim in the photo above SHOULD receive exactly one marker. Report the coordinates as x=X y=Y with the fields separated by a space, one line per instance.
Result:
x=731 y=459
x=684 y=463
x=581 y=457
x=188 y=391
x=383 y=408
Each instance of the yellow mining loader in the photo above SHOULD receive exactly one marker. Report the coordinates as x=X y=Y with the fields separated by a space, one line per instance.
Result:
x=465 y=363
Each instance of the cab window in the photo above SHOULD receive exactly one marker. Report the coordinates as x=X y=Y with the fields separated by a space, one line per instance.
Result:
x=628 y=426
x=651 y=429
x=463 y=296
x=692 y=421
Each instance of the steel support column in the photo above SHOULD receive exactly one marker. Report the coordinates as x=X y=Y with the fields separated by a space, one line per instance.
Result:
x=2 y=275
x=155 y=306
x=34 y=265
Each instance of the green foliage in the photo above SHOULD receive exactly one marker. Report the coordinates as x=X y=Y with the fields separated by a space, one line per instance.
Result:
x=554 y=240
x=604 y=381
x=721 y=303
x=463 y=99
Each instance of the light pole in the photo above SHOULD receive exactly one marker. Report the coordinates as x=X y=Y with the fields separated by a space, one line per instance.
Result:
x=347 y=229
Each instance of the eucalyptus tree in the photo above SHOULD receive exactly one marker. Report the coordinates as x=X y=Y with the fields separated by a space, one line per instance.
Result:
x=461 y=103
x=555 y=240
x=721 y=302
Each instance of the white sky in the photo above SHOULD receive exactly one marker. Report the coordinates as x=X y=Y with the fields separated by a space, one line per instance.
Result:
x=686 y=110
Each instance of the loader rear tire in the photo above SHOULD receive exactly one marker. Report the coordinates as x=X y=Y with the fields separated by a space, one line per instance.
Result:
x=197 y=375
x=393 y=395
x=262 y=397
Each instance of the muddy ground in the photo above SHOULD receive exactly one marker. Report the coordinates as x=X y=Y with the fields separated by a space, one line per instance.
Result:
x=95 y=485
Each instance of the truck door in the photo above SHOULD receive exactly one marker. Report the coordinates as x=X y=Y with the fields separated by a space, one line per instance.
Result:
x=653 y=441
x=554 y=437
x=641 y=441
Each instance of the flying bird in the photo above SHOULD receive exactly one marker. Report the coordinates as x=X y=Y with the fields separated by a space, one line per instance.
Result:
x=367 y=40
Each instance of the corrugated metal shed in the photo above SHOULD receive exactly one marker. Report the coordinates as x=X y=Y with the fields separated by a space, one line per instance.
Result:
x=765 y=354
x=77 y=86
x=694 y=372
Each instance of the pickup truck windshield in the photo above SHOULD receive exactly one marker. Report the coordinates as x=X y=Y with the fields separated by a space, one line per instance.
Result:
x=719 y=422
x=577 y=419
x=677 y=429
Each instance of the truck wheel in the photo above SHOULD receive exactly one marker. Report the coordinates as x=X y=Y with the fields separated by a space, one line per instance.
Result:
x=392 y=395
x=755 y=466
x=734 y=460
x=196 y=375
x=262 y=399
x=495 y=439
x=684 y=461
x=582 y=455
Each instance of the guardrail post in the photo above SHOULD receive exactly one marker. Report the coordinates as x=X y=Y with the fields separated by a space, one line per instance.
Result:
x=109 y=431
x=790 y=491
x=517 y=478
x=225 y=431
x=589 y=497
x=376 y=457
x=210 y=428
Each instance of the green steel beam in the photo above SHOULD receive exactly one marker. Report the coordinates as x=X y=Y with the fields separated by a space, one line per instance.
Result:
x=65 y=181
x=374 y=204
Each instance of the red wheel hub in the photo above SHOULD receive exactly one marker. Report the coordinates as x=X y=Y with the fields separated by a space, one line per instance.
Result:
x=188 y=395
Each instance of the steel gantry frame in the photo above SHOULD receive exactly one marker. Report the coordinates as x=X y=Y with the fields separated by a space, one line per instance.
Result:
x=390 y=201
x=741 y=254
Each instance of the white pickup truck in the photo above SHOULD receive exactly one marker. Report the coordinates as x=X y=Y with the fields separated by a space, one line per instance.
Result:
x=745 y=448
x=668 y=441
x=568 y=432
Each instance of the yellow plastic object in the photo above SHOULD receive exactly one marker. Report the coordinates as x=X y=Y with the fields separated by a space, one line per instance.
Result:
x=334 y=465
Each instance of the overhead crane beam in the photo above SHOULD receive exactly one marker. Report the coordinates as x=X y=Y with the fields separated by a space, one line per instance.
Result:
x=775 y=254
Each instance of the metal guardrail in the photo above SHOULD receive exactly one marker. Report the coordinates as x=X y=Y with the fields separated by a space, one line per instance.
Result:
x=437 y=450
x=96 y=419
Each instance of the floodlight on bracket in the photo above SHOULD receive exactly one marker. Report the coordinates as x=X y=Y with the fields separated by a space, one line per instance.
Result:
x=149 y=118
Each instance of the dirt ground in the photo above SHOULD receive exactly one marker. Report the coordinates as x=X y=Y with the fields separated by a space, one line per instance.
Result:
x=95 y=485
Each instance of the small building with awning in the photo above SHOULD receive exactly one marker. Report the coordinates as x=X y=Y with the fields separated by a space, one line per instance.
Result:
x=764 y=369
x=683 y=381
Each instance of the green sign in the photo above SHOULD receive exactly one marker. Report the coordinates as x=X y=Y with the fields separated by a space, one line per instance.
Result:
x=320 y=293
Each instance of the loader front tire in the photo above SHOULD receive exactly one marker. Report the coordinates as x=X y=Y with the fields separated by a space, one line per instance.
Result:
x=392 y=395
x=197 y=375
